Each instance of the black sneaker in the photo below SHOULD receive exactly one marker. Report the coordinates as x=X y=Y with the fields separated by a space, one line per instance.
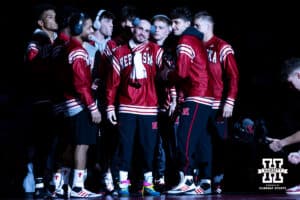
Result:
x=39 y=188
x=160 y=184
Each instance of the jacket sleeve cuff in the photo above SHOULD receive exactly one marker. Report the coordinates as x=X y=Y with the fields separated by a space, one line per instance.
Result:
x=110 y=108
x=93 y=107
x=230 y=102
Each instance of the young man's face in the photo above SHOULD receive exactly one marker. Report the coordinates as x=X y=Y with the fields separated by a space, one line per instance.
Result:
x=48 y=21
x=162 y=30
x=201 y=25
x=106 y=26
x=142 y=31
x=87 y=29
x=179 y=25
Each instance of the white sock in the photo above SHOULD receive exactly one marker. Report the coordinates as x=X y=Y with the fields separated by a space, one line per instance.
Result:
x=123 y=175
x=78 y=180
x=148 y=177
x=108 y=175
x=57 y=180
x=109 y=181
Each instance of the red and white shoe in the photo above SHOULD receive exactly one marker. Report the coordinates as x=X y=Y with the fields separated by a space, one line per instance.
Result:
x=204 y=187
x=83 y=193
x=183 y=187
x=293 y=190
x=197 y=191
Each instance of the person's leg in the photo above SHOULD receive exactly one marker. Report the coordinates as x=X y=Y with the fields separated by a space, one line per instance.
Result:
x=84 y=133
x=219 y=133
x=193 y=121
x=148 y=139
x=127 y=129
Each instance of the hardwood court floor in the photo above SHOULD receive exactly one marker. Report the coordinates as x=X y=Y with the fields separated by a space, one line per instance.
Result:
x=208 y=197
x=225 y=196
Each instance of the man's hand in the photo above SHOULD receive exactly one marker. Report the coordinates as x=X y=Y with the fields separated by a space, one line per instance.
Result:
x=227 y=110
x=172 y=107
x=275 y=144
x=96 y=116
x=294 y=157
x=111 y=116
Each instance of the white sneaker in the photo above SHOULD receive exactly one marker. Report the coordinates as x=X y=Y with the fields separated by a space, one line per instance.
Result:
x=59 y=192
x=181 y=180
x=293 y=190
x=183 y=187
x=204 y=187
x=198 y=190
x=83 y=193
x=205 y=184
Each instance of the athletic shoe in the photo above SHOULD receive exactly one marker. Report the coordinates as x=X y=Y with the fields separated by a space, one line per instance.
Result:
x=57 y=193
x=218 y=189
x=114 y=193
x=83 y=193
x=148 y=190
x=186 y=186
x=124 y=188
x=181 y=181
x=197 y=191
x=62 y=192
x=205 y=184
x=293 y=190
x=218 y=184
x=39 y=188
x=160 y=184
x=67 y=190
x=204 y=187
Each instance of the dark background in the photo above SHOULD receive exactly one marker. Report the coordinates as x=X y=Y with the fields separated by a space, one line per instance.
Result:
x=263 y=36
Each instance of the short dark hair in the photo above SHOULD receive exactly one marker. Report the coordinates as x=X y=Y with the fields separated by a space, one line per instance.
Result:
x=39 y=9
x=182 y=13
x=76 y=22
x=103 y=13
x=107 y=14
x=163 y=18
